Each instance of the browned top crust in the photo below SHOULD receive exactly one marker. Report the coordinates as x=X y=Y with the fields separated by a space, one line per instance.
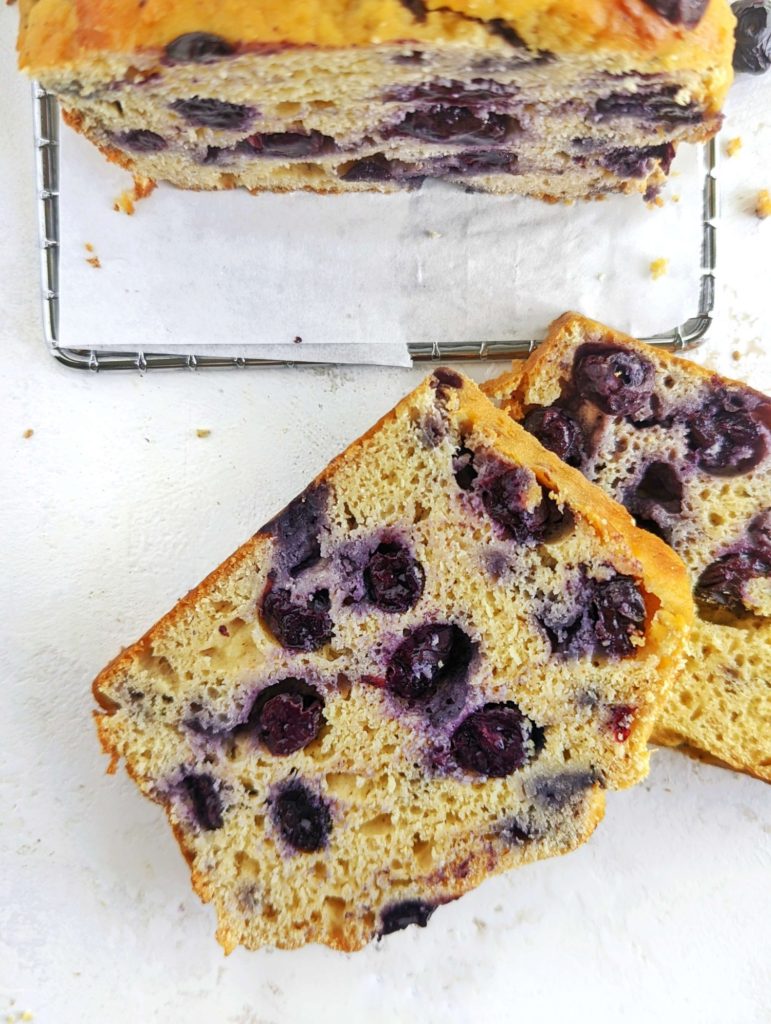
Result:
x=59 y=33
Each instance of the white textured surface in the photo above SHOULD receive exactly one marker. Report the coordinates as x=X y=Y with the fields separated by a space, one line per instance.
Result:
x=111 y=510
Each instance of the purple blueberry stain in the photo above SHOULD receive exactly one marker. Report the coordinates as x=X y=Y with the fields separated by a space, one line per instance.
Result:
x=558 y=431
x=496 y=740
x=140 y=140
x=297 y=530
x=555 y=792
x=201 y=793
x=298 y=623
x=198 y=48
x=205 y=112
x=286 y=716
x=300 y=816
x=417 y=9
x=617 y=380
x=393 y=578
x=398 y=916
x=477 y=91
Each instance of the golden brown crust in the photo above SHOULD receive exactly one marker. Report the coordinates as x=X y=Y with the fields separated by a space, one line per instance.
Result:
x=57 y=32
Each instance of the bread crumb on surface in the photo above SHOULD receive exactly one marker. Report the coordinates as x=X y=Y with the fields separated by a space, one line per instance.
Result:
x=659 y=268
x=125 y=203
x=95 y=262
x=202 y=432
x=28 y=433
x=89 y=247
x=733 y=146
x=763 y=204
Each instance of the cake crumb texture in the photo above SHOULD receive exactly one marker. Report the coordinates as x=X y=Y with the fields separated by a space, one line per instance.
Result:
x=687 y=452
x=425 y=670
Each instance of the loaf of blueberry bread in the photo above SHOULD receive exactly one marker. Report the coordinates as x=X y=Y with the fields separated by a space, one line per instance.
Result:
x=375 y=704
x=563 y=100
x=689 y=454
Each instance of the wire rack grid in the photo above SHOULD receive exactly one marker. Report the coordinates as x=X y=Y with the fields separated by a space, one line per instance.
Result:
x=684 y=336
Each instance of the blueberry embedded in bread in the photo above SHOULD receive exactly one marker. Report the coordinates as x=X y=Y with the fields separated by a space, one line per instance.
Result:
x=561 y=100
x=364 y=712
x=689 y=454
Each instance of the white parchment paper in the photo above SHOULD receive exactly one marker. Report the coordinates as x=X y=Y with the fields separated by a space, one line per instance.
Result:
x=356 y=277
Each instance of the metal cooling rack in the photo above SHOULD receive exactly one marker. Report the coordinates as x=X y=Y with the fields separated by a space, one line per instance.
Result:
x=46 y=121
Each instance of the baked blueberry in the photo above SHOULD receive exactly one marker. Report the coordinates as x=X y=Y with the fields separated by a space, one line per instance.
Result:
x=297 y=531
x=659 y=107
x=298 y=624
x=680 y=12
x=496 y=740
x=463 y=468
x=618 y=611
x=558 y=431
x=427 y=660
x=504 y=495
x=752 y=50
x=723 y=582
x=635 y=162
x=286 y=716
x=607 y=615
x=198 y=48
x=201 y=792
x=291 y=145
x=660 y=484
x=393 y=579
x=301 y=817
x=205 y=112
x=372 y=168
x=726 y=436
x=617 y=380
x=440 y=123
x=401 y=915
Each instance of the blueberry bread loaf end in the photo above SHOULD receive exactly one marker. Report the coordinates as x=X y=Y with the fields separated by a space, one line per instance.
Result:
x=561 y=100
x=425 y=670
x=689 y=454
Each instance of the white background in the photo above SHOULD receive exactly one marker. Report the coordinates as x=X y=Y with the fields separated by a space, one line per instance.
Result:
x=114 y=508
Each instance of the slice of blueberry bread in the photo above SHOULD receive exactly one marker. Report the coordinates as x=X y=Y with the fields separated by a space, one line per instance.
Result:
x=565 y=100
x=689 y=454
x=424 y=670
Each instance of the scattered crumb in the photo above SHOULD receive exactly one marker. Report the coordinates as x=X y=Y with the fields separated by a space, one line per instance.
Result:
x=202 y=432
x=433 y=234
x=126 y=200
x=26 y=1015
x=763 y=204
x=601 y=276
x=733 y=146
x=659 y=268
x=28 y=433
x=297 y=340
x=93 y=260
x=675 y=199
